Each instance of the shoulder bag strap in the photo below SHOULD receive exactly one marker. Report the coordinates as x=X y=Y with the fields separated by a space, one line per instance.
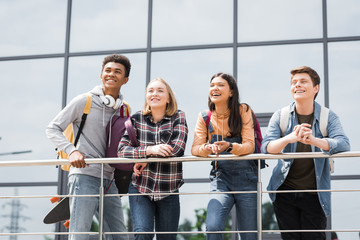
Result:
x=131 y=133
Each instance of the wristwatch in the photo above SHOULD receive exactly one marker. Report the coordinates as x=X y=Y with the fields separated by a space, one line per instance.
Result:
x=230 y=148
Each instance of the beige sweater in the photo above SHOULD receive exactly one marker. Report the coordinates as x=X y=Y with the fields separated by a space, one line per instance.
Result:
x=220 y=125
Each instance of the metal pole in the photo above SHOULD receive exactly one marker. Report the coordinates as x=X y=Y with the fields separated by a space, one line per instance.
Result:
x=259 y=202
x=101 y=202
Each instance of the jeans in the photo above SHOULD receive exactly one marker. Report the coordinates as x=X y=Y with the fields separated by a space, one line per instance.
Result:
x=145 y=213
x=300 y=211
x=220 y=205
x=82 y=209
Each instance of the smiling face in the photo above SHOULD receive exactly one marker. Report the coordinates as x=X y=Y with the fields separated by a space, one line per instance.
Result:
x=113 y=77
x=302 y=87
x=157 y=95
x=219 y=92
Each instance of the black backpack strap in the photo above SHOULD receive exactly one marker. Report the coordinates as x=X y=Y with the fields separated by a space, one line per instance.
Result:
x=86 y=111
x=83 y=119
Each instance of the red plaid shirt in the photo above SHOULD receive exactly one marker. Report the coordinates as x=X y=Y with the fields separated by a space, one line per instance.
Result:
x=159 y=177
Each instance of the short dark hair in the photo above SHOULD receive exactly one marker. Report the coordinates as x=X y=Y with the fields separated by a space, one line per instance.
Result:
x=311 y=72
x=118 y=58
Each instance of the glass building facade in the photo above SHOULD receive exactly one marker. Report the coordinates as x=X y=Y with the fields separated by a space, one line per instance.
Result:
x=51 y=51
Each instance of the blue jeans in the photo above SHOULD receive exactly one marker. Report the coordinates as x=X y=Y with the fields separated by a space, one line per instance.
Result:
x=145 y=213
x=220 y=205
x=82 y=209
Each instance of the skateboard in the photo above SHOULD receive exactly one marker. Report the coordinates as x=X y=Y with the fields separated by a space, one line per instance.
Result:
x=60 y=212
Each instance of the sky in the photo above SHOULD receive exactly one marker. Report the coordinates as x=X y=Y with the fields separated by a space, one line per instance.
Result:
x=31 y=91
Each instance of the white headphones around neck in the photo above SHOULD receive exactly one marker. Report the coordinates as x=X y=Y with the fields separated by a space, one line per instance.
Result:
x=109 y=101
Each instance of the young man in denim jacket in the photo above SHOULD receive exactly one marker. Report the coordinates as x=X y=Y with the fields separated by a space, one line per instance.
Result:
x=305 y=210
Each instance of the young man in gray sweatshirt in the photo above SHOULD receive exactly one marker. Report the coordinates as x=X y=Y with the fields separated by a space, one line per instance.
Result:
x=85 y=179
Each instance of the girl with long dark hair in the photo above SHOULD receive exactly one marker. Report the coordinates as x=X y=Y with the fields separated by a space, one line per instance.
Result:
x=227 y=128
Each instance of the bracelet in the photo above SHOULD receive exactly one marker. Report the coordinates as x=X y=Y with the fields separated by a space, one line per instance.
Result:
x=230 y=148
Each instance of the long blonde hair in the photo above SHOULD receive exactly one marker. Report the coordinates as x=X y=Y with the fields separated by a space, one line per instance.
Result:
x=171 y=107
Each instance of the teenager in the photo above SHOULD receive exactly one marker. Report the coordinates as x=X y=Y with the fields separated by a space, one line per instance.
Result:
x=232 y=132
x=85 y=179
x=161 y=130
x=305 y=210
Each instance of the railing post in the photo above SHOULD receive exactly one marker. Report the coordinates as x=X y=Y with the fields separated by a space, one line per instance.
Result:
x=101 y=202
x=259 y=202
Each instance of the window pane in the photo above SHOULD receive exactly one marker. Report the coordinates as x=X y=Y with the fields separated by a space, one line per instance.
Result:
x=32 y=27
x=345 y=211
x=343 y=18
x=84 y=75
x=32 y=92
x=189 y=74
x=191 y=22
x=113 y=24
x=279 y=20
x=190 y=203
x=26 y=214
x=344 y=65
x=264 y=73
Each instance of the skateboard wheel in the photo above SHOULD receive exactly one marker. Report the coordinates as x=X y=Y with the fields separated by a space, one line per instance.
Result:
x=67 y=224
x=54 y=199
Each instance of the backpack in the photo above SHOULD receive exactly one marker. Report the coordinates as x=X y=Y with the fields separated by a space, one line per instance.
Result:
x=69 y=132
x=257 y=133
x=114 y=131
x=123 y=171
x=324 y=116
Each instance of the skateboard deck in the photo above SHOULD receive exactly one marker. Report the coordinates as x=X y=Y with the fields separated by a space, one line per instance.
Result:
x=60 y=212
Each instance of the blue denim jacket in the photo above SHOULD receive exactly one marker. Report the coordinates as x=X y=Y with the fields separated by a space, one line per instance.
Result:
x=337 y=140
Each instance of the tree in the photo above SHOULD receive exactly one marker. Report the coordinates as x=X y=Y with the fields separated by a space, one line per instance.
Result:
x=268 y=217
x=200 y=226
x=268 y=221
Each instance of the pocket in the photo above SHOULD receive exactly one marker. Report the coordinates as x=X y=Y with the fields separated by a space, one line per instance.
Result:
x=213 y=174
x=73 y=185
x=165 y=136
x=252 y=176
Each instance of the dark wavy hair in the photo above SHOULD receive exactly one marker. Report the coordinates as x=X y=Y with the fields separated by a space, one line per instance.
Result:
x=235 y=121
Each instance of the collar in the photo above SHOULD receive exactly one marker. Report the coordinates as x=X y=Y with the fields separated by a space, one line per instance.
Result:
x=151 y=119
x=317 y=109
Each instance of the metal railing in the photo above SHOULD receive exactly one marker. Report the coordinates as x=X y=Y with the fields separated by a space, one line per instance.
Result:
x=259 y=231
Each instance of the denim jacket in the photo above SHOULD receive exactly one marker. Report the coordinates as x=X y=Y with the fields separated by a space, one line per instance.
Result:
x=337 y=140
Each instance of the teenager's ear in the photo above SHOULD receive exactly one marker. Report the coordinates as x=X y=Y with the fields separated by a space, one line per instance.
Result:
x=316 y=88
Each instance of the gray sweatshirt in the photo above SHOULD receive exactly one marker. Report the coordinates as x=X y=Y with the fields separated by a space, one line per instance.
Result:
x=92 y=141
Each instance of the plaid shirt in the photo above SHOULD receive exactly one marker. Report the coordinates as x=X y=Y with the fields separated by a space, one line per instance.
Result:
x=159 y=177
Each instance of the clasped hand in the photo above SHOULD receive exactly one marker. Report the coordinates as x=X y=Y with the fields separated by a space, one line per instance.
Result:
x=301 y=133
x=217 y=147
